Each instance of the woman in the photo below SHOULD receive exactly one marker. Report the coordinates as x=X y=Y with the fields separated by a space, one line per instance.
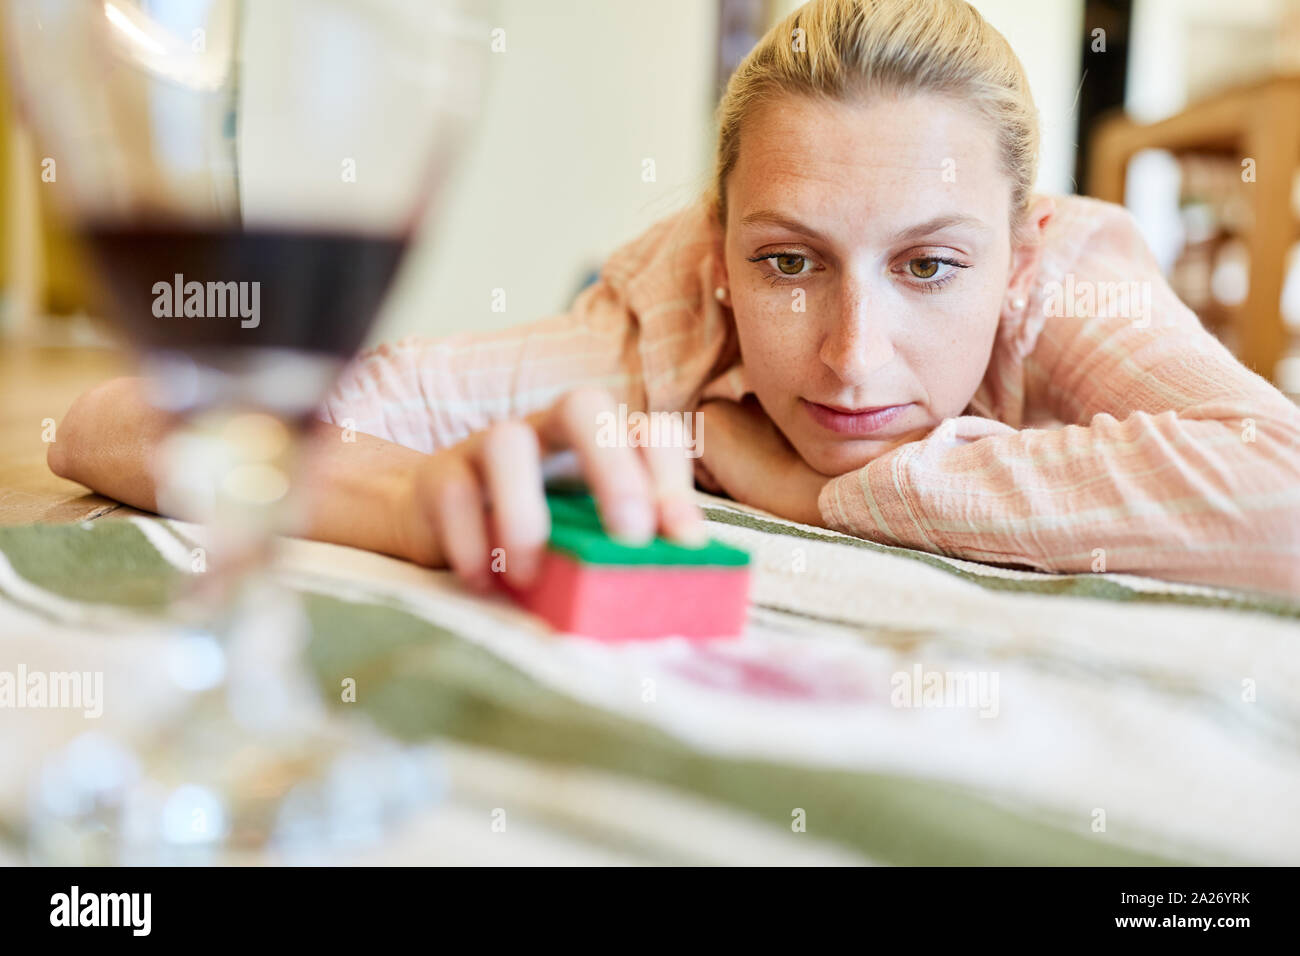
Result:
x=869 y=311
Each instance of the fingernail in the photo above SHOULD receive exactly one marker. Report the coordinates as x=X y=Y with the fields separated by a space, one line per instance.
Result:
x=685 y=524
x=632 y=520
x=691 y=533
x=523 y=570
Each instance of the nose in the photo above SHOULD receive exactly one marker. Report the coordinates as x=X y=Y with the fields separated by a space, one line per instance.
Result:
x=859 y=342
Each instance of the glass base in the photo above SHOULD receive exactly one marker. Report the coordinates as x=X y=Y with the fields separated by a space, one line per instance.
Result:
x=254 y=769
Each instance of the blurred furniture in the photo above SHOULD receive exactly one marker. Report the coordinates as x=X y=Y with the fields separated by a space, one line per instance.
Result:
x=42 y=272
x=741 y=24
x=37 y=384
x=1260 y=122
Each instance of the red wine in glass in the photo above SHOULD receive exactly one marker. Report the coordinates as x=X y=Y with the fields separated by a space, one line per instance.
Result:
x=247 y=175
x=179 y=288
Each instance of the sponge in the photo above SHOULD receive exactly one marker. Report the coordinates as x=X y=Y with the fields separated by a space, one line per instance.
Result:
x=590 y=584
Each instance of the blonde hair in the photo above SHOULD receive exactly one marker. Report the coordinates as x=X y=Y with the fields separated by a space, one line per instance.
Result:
x=846 y=49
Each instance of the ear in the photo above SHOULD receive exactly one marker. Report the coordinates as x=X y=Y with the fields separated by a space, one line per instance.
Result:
x=1027 y=248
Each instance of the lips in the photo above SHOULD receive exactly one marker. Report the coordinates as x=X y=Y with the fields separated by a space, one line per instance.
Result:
x=860 y=422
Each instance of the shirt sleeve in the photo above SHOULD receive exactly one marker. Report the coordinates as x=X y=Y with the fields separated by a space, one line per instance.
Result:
x=648 y=330
x=429 y=393
x=1174 y=460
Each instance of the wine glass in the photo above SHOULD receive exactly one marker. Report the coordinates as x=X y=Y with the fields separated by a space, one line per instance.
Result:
x=246 y=176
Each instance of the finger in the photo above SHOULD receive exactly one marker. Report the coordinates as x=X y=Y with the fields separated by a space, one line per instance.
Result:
x=453 y=501
x=511 y=464
x=672 y=477
x=615 y=472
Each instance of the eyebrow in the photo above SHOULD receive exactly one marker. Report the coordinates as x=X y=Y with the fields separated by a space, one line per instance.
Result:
x=771 y=217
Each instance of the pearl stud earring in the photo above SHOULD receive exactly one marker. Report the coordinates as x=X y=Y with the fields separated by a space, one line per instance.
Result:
x=720 y=293
x=1017 y=303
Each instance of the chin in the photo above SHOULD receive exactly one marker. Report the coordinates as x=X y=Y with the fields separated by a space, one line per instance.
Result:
x=838 y=458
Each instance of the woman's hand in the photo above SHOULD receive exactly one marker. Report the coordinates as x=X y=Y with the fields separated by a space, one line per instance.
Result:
x=748 y=457
x=465 y=501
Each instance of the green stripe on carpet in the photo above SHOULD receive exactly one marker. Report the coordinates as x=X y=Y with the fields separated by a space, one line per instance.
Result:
x=103 y=562
x=1072 y=585
x=418 y=680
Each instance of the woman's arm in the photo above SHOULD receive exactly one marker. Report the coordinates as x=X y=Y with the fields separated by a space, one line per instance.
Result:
x=1176 y=461
x=393 y=402
x=370 y=493
x=418 y=435
x=108 y=439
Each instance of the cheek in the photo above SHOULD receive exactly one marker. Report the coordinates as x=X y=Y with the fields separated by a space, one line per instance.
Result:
x=951 y=356
x=774 y=344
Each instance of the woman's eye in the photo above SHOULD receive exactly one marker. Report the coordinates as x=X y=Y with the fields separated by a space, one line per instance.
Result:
x=923 y=268
x=790 y=265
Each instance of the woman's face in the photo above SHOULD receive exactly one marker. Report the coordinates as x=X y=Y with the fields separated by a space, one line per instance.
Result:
x=868 y=256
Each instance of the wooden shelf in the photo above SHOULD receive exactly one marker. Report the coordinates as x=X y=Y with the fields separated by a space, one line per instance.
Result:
x=1260 y=121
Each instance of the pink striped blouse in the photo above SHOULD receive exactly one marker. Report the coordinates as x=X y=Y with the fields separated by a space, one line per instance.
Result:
x=1093 y=443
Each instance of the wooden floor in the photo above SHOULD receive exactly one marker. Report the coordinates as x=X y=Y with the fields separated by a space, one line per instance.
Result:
x=39 y=383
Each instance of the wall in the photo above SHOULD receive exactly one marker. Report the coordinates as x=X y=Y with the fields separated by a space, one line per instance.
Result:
x=585 y=91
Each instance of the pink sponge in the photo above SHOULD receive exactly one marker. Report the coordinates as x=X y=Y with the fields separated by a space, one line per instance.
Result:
x=590 y=584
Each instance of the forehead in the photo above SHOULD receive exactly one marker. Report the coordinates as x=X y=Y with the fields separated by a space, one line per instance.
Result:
x=884 y=157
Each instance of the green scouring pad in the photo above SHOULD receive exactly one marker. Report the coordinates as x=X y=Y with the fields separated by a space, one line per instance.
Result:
x=597 y=586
